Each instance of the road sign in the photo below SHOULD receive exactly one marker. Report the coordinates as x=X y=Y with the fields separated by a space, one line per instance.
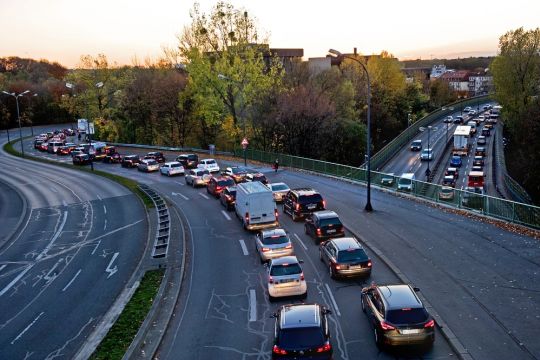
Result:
x=91 y=128
x=244 y=143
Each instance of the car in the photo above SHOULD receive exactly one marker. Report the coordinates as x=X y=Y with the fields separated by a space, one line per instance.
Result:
x=451 y=171
x=217 y=184
x=480 y=151
x=112 y=158
x=478 y=161
x=81 y=159
x=209 y=164
x=322 y=225
x=156 y=155
x=256 y=177
x=130 y=161
x=388 y=179
x=458 y=119
x=345 y=257
x=65 y=150
x=227 y=197
x=456 y=161
x=69 y=132
x=37 y=143
x=197 y=177
x=427 y=154
x=449 y=180
x=300 y=202
x=53 y=146
x=449 y=119
x=148 y=165
x=472 y=112
x=397 y=315
x=416 y=145
x=486 y=131
x=488 y=126
x=238 y=173
x=481 y=140
x=477 y=168
x=272 y=244
x=76 y=152
x=486 y=107
x=171 y=168
x=285 y=278
x=480 y=119
x=302 y=331
x=279 y=191
x=472 y=197
x=467 y=109
x=188 y=161
x=446 y=193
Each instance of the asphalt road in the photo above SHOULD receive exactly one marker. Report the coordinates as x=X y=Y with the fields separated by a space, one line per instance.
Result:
x=80 y=241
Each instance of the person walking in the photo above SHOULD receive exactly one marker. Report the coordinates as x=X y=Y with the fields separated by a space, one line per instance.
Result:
x=276 y=165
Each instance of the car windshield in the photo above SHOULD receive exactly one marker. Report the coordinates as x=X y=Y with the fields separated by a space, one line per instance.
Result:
x=285 y=269
x=232 y=192
x=301 y=338
x=275 y=240
x=407 y=316
x=131 y=157
x=151 y=162
x=201 y=172
x=237 y=170
x=445 y=190
x=330 y=221
x=226 y=182
x=210 y=162
x=352 y=255
x=417 y=143
x=310 y=199
x=279 y=187
x=176 y=165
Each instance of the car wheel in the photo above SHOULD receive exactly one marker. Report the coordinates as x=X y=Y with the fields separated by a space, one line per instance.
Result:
x=207 y=191
x=363 y=304
x=378 y=339
x=304 y=296
x=331 y=272
x=320 y=255
x=294 y=217
x=305 y=229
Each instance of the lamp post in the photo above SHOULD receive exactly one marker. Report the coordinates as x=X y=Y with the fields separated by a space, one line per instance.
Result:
x=7 y=128
x=429 y=129
x=338 y=54
x=16 y=96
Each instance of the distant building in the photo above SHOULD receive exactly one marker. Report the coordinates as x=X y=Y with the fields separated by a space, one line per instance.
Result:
x=317 y=65
x=458 y=81
x=418 y=73
x=437 y=71
x=286 y=56
x=480 y=83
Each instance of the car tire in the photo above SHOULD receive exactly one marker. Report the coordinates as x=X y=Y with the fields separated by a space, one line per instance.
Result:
x=294 y=217
x=271 y=298
x=363 y=304
x=304 y=296
x=378 y=340
x=331 y=272
x=305 y=229
x=320 y=255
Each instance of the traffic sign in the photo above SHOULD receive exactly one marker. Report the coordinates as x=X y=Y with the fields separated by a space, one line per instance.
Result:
x=244 y=143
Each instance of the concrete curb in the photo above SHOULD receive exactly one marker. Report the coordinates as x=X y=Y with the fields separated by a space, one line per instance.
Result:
x=25 y=215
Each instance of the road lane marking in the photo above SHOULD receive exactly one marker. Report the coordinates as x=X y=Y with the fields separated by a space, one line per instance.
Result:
x=226 y=215
x=181 y=195
x=64 y=203
x=244 y=248
x=2 y=267
x=301 y=242
x=252 y=305
x=111 y=270
x=93 y=251
x=104 y=209
x=105 y=225
x=334 y=303
x=180 y=183
x=99 y=197
x=72 y=280
x=53 y=190
x=204 y=196
x=26 y=328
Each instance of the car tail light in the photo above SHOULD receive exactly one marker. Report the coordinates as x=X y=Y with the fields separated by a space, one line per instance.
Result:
x=297 y=207
x=247 y=218
x=277 y=350
x=302 y=276
x=369 y=264
x=430 y=324
x=289 y=246
x=319 y=232
x=270 y=280
x=326 y=347
x=276 y=213
x=386 y=326
x=265 y=249
x=324 y=204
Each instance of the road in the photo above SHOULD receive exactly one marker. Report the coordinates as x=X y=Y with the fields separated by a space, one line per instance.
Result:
x=68 y=259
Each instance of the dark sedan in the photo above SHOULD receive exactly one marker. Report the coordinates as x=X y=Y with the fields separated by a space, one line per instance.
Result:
x=130 y=161
x=81 y=159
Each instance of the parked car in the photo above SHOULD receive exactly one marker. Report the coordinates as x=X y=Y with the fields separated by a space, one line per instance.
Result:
x=171 y=168
x=197 y=177
x=272 y=244
x=302 y=331
x=303 y=201
x=416 y=145
x=446 y=193
x=481 y=140
x=456 y=161
x=279 y=191
x=188 y=161
x=238 y=173
x=217 y=184
x=256 y=177
x=148 y=165
x=427 y=154
x=209 y=164
x=322 y=225
x=285 y=278
x=388 y=179
x=130 y=161
x=156 y=155
x=227 y=197
x=345 y=257
x=397 y=315
x=81 y=159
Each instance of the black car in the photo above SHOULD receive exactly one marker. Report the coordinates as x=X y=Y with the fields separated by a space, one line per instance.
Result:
x=188 y=161
x=323 y=225
x=112 y=158
x=478 y=161
x=416 y=145
x=397 y=315
x=345 y=257
x=81 y=159
x=156 y=155
x=37 y=143
x=130 y=161
x=227 y=197
x=458 y=119
x=302 y=201
x=256 y=177
x=302 y=331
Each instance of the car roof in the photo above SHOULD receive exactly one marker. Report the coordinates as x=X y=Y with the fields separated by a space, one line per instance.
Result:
x=452 y=169
x=285 y=260
x=300 y=315
x=273 y=232
x=345 y=243
x=326 y=214
x=399 y=297
x=278 y=183
x=305 y=191
x=171 y=163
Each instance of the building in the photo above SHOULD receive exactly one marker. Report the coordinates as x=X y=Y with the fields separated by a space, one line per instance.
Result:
x=458 y=81
x=480 y=83
x=317 y=65
x=437 y=71
x=287 y=56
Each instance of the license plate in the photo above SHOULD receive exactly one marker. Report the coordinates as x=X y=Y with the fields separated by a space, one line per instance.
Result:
x=355 y=267
x=331 y=231
x=410 y=331
x=311 y=207
x=286 y=280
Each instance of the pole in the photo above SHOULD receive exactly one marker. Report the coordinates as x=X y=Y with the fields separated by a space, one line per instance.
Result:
x=20 y=129
x=429 y=152
x=245 y=156
x=368 y=204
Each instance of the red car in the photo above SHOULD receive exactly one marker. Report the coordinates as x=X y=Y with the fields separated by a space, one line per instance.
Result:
x=217 y=183
x=227 y=197
x=44 y=146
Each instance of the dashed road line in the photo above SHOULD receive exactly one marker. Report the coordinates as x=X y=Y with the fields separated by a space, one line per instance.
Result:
x=26 y=328
x=300 y=240
x=244 y=247
x=204 y=196
x=332 y=299
x=72 y=280
x=226 y=215
x=252 y=305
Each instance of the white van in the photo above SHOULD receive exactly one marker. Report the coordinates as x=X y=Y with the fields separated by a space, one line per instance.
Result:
x=406 y=182
x=255 y=206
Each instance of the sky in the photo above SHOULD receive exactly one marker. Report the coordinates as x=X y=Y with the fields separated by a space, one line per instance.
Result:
x=63 y=30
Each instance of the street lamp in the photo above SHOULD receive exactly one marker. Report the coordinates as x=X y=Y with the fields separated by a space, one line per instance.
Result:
x=16 y=96
x=337 y=54
x=430 y=151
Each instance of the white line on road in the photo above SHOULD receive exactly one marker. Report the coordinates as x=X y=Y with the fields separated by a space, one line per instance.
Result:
x=183 y=196
x=53 y=189
x=26 y=328
x=301 y=242
x=93 y=251
x=104 y=209
x=64 y=203
x=204 y=196
x=244 y=248
x=252 y=305
x=332 y=299
x=99 y=197
x=226 y=215
x=105 y=225
x=2 y=267
x=180 y=183
x=72 y=280
x=109 y=269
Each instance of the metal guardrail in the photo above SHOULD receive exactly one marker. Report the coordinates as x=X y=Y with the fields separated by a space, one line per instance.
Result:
x=168 y=148
x=163 y=235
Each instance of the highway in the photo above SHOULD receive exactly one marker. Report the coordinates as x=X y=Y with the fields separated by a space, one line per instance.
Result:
x=76 y=241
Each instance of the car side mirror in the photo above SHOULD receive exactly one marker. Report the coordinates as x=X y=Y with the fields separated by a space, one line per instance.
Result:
x=273 y=316
x=416 y=289
x=326 y=311
x=300 y=261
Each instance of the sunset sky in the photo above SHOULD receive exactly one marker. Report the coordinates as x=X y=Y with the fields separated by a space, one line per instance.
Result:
x=63 y=30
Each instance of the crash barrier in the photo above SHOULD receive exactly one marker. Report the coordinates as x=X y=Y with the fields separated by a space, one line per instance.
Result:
x=211 y=151
x=163 y=235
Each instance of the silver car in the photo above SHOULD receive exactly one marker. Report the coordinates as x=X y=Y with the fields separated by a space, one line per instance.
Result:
x=273 y=244
x=279 y=191
x=286 y=278
x=148 y=165
x=198 y=177
x=172 y=168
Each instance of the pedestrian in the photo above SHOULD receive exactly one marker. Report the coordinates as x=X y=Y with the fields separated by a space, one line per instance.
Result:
x=79 y=137
x=276 y=165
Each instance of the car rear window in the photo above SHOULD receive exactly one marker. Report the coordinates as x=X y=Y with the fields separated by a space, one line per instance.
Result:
x=352 y=255
x=303 y=337
x=192 y=157
x=238 y=171
x=407 y=316
x=259 y=177
x=201 y=172
x=232 y=192
x=152 y=162
x=226 y=182
x=330 y=221
x=210 y=161
x=275 y=240
x=284 y=270
x=279 y=187
x=310 y=199
x=176 y=165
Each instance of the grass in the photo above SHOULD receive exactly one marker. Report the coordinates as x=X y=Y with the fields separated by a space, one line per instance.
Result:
x=124 y=330
x=130 y=184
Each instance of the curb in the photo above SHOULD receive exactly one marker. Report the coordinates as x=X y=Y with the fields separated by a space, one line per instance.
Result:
x=25 y=214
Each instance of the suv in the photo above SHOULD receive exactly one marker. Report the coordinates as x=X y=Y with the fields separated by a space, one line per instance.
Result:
x=302 y=330
x=272 y=244
x=345 y=257
x=416 y=145
x=216 y=184
x=323 y=225
x=397 y=315
x=156 y=155
x=188 y=161
x=130 y=161
x=302 y=201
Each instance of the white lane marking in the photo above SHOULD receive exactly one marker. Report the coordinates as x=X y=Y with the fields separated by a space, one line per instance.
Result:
x=2 y=267
x=72 y=280
x=50 y=277
x=64 y=203
x=113 y=270
x=252 y=305
x=114 y=231
x=180 y=183
x=181 y=195
x=204 y=196
x=105 y=225
x=226 y=215
x=300 y=240
x=99 y=197
x=93 y=251
x=332 y=299
x=244 y=248
x=53 y=189
x=26 y=328
x=104 y=209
